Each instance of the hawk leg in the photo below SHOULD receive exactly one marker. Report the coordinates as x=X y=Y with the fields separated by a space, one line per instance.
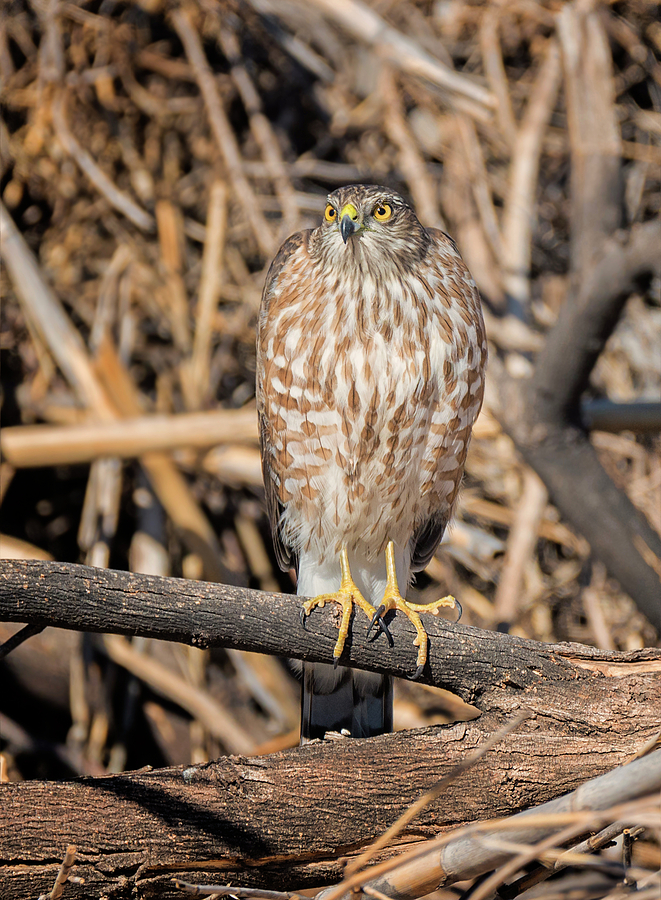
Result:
x=346 y=596
x=392 y=599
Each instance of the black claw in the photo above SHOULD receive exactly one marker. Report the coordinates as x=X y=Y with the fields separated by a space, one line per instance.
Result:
x=418 y=673
x=460 y=608
x=377 y=617
x=303 y=616
x=386 y=631
x=335 y=662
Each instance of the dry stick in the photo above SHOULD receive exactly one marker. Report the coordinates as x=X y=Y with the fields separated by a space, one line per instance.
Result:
x=647 y=747
x=405 y=54
x=480 y=185
x=106 y=306
x=552 y=854
x=459 y=204
x=215 y=718
x=594 y=842
x=7 y=472
x=170 y=238
x=20 y=637
x=166 y=480
x=243 y=893
x=96 y=530
x=253 y=547
x=263 y=133
x=503 y=515
x=209 y=291
x=372 y=892
x=520 y=547
x=48 y=317
x=421 y=185
x=523 y=857
x=519 y=219
x=27 y=446
x=429 y=796
x=63 y=874
x=47 y=367
x=594 y=131
x=591 y=597
x=235 y=465
x=222 y=130
x=117 y=199
x=461 y=854
x=14 y=548
x=492 y=59
x=66 y=345
x=100 y=515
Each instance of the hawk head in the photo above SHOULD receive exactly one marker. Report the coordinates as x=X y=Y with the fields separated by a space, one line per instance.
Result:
x=370 y=222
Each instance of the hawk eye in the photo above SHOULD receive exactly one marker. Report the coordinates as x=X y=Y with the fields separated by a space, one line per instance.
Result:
x=382 y=212
x=331 y=213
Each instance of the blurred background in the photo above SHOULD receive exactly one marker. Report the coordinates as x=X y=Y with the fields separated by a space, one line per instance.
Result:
x=153 y=157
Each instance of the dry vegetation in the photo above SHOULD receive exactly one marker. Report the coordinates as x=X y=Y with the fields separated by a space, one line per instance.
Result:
x=154 y=155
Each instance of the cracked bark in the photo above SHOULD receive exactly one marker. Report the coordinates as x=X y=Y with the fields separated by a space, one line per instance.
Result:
x=289 y=819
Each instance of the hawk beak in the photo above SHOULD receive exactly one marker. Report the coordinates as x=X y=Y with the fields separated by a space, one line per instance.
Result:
x=348 y=221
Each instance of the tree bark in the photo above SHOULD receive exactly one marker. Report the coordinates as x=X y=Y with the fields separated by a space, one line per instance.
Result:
x=289 y=818
x=491 y=670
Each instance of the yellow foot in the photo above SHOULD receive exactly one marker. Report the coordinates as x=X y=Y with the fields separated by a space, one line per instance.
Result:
x=347 y=596
x=392 y=599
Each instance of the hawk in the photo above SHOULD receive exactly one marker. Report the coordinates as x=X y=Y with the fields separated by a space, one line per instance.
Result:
x=371 y=354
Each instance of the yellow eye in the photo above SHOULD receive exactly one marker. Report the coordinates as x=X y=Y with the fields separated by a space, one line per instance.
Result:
x=331 y=213
x=382 y=212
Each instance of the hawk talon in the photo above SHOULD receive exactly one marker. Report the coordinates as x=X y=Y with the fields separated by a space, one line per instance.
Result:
x=418 y=673
x=377 y=619
x=384 y=628
x=392 y=599
x=348 y=596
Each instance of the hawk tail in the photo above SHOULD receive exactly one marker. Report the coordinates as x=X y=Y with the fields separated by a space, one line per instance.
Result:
x=342 y=699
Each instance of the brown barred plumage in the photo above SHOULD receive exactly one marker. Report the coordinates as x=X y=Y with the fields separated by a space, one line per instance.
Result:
x=370 y=373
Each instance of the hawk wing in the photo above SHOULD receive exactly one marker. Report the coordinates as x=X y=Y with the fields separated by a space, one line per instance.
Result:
x=426 y=539
x=460 y=393
x=274 y=507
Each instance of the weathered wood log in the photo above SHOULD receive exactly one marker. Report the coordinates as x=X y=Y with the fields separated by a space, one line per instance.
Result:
x=491 y=670
x=461 y=856
x=288 y=819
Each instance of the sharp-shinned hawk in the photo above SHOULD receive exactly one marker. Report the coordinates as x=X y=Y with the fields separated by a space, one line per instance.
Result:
x=371 y=354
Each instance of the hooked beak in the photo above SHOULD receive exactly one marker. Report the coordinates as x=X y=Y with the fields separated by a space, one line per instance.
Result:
x=349 y=223
x=347 y=228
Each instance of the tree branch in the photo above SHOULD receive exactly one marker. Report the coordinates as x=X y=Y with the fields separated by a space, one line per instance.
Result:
x=494 y=671
x=587 y=319
x=293 y=816
x=289 y=819
x=458 y=857
x=544 y=419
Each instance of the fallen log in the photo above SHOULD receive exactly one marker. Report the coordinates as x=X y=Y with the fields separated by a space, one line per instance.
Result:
x=291 y=818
